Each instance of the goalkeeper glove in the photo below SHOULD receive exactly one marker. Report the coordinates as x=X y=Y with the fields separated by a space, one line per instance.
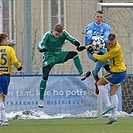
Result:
x=43 y=50
x=97 y=38
x=101 y=39
x=94 y=38
x=80 y=48
x=90 y=50
x=77 y=43
x=19 y=69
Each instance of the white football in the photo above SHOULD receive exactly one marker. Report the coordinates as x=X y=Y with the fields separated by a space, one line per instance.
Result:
x=98 y=43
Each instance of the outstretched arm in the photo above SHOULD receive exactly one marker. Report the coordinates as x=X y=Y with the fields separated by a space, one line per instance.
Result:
x=81 y=48
x=71 y=38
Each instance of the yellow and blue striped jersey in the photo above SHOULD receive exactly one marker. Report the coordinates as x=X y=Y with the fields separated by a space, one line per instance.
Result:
x=115 y=56
x=7 y=57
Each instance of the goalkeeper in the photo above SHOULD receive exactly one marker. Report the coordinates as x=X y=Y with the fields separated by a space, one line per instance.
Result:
x=114 y=77
x=51 y=44
x=94 y=30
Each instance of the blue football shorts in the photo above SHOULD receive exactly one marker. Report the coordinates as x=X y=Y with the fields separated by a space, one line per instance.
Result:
x=115 y=78
x=4 y=83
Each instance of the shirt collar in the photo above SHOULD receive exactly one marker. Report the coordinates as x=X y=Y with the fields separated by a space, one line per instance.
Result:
x=2 y=44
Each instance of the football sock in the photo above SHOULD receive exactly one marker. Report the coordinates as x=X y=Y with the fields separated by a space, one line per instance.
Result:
x=4 y=103
x=2 y=110
x=78 y=64
x=105 y=95
x=0 y=115
x=42 y=88
x=114 y=101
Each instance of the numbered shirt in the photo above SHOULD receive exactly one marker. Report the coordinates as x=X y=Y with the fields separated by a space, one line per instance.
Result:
x=7 y=57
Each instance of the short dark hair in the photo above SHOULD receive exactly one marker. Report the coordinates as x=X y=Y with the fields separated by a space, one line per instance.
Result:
x=99 y=11
x=3 y=36
x=58 y=27
x=111 y=37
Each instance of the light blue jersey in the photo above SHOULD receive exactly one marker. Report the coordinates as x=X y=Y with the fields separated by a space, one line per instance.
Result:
x=102 y=30
x=92 y=29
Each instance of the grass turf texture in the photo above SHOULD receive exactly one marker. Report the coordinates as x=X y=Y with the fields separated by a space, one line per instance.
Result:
x=69 y=125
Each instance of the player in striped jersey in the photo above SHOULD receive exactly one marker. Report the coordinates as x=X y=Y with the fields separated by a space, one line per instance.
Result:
x=51 y=44
x=7 y=56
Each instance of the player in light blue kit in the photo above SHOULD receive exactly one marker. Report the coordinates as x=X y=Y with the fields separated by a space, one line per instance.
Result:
x=94 y=29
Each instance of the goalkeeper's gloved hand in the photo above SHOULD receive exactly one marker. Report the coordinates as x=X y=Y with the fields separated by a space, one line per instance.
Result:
x=100 y=38
x=19 y=69
x=77 y=43
x=90 y=50
x=97 y=38
x=94 y=38
x=43 y=50
x=80 y=48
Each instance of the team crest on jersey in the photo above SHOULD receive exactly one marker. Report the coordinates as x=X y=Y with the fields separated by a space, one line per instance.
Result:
x=101 y=31
x=45 y=63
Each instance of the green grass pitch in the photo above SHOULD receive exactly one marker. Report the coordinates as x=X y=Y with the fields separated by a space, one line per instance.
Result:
x=69 y=125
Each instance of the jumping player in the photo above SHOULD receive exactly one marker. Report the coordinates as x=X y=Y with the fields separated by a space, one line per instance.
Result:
x=93 y=30
x=51 y=44
x=114 y=77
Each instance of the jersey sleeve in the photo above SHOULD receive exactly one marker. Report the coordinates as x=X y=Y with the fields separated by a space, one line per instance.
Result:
x=89 y=32
x=69 y=37
x=106 y=56
x=14 y=59
x=43 y=40
x=106 y=33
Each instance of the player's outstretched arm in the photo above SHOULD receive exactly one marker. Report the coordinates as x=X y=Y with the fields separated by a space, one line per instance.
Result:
x=81 y=48
x=91 y=50
x=88 y=46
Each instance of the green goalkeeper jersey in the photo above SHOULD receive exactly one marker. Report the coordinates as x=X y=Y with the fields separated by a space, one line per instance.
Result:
x=52 y=44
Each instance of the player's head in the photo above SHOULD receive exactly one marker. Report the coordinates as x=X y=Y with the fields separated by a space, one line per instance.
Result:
x=4 y=38
x=58 y=28
x=112 y=40
x=98 y=17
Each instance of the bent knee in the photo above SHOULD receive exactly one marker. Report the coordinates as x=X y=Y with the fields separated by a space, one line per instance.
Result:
x=74 y=53
x=45 y=77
